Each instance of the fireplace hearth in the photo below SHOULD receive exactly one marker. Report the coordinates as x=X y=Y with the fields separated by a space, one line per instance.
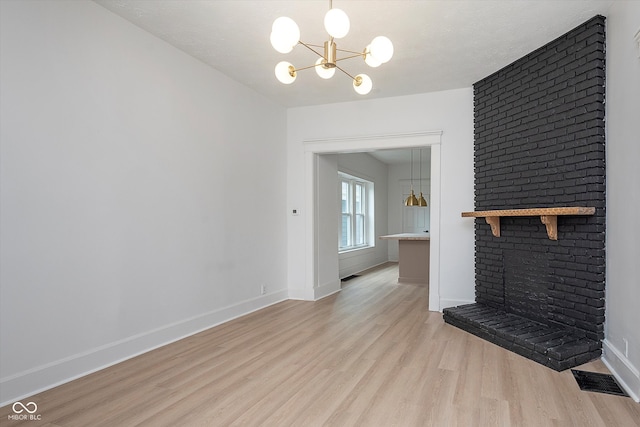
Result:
x=556 y=347
x=539 y=143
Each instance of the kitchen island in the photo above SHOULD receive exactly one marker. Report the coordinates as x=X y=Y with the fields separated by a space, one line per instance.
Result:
x=413 y=257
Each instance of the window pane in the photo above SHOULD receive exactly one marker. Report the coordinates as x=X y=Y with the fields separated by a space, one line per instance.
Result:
x=359 y=198
x=360 y=230
x=345 y=196
x=345 y=233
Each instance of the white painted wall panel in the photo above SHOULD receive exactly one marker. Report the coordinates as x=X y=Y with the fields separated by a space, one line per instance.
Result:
x=622 y=343
x=143 y=194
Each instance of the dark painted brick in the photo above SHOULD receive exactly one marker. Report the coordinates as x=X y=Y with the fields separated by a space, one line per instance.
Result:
x=539 y=141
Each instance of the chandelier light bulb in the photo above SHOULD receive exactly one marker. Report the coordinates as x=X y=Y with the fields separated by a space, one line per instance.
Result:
x=285 y=72
x=325 y=73
x=369 y=59
x=336 y=22
x=280 y=44
x=362 y=84
x=286 y=33
x=381 y=49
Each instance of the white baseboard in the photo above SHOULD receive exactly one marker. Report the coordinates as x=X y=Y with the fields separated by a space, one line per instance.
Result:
x=363 y=269
x=357 y=268
x=327 y=289
x=627 y=375
x=301 y=294
x=41 y=378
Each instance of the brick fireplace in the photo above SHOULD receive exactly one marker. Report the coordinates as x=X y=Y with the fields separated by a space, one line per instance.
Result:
x=540 y=143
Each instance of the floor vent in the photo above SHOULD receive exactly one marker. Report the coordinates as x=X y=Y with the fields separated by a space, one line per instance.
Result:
x=346 y=279
x=599 y=383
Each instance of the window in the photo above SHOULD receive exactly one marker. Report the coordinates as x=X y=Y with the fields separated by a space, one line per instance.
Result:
x=356 y=195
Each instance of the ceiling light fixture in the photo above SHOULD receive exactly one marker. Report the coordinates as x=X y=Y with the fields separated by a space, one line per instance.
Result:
x=285 y=35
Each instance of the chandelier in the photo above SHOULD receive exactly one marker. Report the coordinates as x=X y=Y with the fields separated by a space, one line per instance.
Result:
x=285 y=35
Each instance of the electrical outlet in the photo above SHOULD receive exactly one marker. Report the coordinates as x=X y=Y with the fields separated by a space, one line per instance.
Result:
x=263 y=289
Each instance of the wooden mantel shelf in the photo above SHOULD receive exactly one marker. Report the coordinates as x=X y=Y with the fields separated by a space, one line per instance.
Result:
x=548 y=216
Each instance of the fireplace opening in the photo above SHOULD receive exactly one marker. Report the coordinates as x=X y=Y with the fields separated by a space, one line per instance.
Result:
x=526 y=283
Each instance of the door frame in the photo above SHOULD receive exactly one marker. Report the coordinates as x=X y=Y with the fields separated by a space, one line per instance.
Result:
x=359 y=144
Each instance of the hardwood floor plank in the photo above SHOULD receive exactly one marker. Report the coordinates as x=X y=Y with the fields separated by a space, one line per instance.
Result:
x=371 y=355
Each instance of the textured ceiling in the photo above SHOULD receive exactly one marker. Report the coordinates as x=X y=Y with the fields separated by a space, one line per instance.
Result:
x=439 y=45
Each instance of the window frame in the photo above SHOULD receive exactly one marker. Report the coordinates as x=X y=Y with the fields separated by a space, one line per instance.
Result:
x=356 y=210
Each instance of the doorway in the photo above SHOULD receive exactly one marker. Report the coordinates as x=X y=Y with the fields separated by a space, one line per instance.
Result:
x=321 y=269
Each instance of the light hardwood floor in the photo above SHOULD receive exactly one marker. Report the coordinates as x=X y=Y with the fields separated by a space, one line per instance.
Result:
x=371 y=355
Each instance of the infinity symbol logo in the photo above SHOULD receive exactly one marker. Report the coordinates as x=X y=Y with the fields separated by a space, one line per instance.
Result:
x=22 y=407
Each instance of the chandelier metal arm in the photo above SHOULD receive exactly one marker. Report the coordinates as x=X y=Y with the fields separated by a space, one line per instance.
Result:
x=304 y=68
x=348 y=57
x=340 y=68
x=351 y=51
x=308 y=46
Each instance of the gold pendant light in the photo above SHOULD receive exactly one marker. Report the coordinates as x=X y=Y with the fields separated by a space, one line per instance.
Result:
x=411 y=200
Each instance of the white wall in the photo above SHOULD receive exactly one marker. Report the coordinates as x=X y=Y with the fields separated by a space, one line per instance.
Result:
x=365 y=166
x=138 y=206
x=449 y=111
x=623 y=197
